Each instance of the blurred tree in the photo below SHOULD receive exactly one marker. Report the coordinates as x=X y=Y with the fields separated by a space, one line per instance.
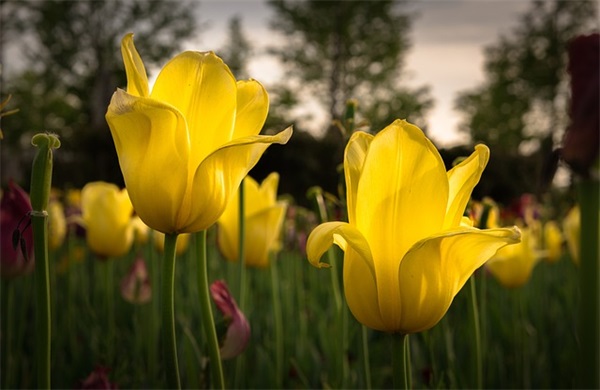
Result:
x=521 y=108
x=65 y=65
x=340 y=50
x=237 y=50
x=335 y=51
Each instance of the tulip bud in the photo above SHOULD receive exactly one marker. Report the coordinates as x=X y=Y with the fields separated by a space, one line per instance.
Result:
x=41 y=174
x=135 y=286
x=236 y=339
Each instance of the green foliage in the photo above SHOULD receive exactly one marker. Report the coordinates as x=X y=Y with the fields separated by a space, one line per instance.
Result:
x=529 y=333
x=524 y=96
x=340 y=50
x=71 y=65
x=520 y=111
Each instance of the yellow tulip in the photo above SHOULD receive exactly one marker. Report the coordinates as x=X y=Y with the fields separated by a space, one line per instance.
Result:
x=106 y=212
x=185 y=147
x=513 y=264
x=57 y=224
x=263 y=222
x=572 y=229
x=407 y=250
x=553 y=240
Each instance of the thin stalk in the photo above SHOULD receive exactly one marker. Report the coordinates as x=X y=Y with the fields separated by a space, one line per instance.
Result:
x=6 y=320
x=401 y=361
x=278 y=321
x=344 y=344
x=39 y=222
x=41 y=184
x=152 y=320
x=477 y=334
x=208 y=323
x=589 y=195
x=109 y=305
x=242 y=248
x=366 y=364
x=239 y=363
x=168 y=311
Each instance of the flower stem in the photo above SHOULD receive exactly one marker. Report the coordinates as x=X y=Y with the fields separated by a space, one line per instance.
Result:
x=208 y=322
x=239 y=363
x=168 y=311
x=366 y=364
x=242 y=247
x=278 y=321
x=6 y=321
x=41 y=183
x=477 y=334
x=39 y=223
x=589 y=195
x=401 y=361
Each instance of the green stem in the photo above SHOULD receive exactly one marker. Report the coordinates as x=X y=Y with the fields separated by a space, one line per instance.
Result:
x=589 y=195
x=401 y=361
x=366 y=364
x=6 y=329
x=239 y=363
x=242 y=248
x=344 y=344
x=278 y=321
x=477 y=334
x=39 y=222
x=41 y=183
x=168 y=311
x=208 y=322
x=109 y=306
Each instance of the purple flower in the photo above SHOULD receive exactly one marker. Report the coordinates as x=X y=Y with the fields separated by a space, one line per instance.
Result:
x=14 y=230
x=238 y=330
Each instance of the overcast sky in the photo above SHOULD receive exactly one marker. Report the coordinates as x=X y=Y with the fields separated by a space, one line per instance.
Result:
x=448 y=38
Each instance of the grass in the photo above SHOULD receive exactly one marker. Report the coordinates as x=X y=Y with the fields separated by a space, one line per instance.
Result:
x=529 y=333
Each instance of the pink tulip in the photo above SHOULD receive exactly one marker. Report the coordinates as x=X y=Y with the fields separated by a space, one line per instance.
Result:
x=98 y=379
x=238 y=330
x=135 y=286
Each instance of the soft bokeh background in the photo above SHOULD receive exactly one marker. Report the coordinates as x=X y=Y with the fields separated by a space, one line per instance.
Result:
x=464 y=71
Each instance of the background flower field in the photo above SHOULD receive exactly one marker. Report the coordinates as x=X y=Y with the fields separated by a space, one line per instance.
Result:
x=529 y=333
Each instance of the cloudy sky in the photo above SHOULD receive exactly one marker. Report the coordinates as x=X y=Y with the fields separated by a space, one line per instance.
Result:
x=448 y=39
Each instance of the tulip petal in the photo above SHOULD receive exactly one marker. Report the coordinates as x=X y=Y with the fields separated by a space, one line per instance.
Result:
x=462 y=179
x=201 y=87
x=252 y=108
x=354 y=159
x=435 y=269
x=263 y=232
x=513 y=264
x=137 y=80
x=342 y=234
x=268 y=188
x=219 y=176
x=152 y=145
x=360 y=284
x=402 y=193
